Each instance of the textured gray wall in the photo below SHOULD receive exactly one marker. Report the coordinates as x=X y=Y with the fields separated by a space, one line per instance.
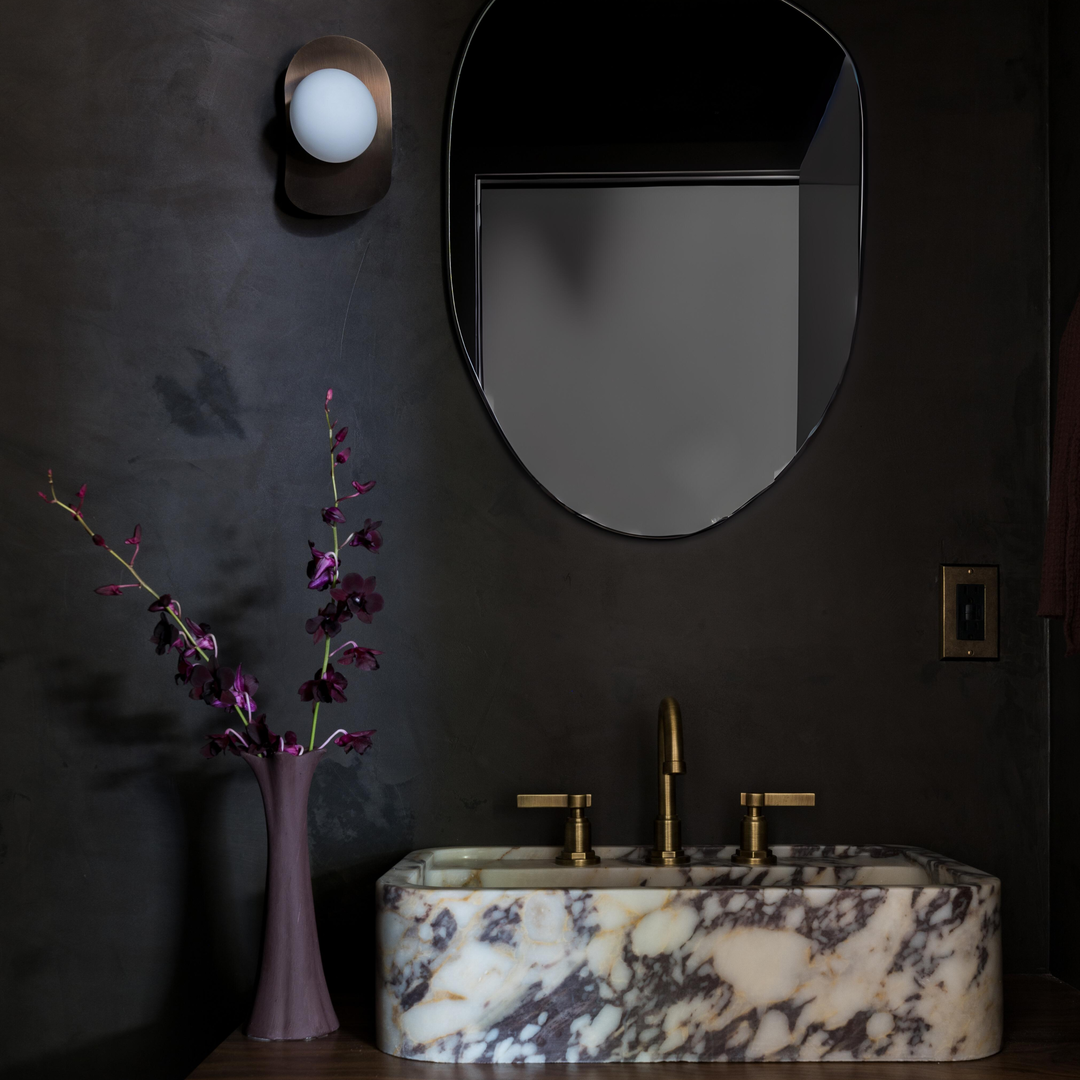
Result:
x=168 y=334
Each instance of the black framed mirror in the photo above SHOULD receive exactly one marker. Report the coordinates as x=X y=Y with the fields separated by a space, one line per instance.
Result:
x=653 y=228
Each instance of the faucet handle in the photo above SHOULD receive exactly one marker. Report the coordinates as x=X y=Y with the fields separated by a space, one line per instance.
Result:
x=777 y=798
x=531 y=801
x=754 y=850
x=577 y=846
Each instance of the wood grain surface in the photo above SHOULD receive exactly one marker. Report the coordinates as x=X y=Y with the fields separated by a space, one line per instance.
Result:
x=1042 y=1039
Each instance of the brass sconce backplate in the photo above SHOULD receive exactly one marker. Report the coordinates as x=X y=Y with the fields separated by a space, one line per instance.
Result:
x=969 y=613
x=320 y=187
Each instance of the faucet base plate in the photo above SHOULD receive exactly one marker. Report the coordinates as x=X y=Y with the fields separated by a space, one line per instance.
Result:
x=668 y=858
x=742 y=857
x=578 y=858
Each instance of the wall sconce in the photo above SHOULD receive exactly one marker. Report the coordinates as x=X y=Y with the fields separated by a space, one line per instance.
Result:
x=337 y=96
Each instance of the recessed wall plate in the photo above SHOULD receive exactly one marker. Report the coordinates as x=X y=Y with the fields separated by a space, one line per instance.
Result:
x=320 y=187
x=969 y=613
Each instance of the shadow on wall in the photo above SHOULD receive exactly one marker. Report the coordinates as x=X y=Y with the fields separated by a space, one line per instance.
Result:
x=202 y=1001
x=345 y=913
x=356 y=825
x=209 y=407
x=150 y=756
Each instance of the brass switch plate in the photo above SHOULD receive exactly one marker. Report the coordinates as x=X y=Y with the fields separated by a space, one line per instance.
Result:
x=969 y=631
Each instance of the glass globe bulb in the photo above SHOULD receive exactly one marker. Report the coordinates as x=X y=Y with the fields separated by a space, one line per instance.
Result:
x=333 y=115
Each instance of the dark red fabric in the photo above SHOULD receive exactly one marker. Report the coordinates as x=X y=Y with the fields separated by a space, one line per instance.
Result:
x=1060 y=594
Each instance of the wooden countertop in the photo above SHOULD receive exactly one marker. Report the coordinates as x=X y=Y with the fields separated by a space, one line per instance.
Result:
x=1042 y=1039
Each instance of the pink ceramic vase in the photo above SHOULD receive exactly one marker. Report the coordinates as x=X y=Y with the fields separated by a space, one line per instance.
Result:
x=292 y=1001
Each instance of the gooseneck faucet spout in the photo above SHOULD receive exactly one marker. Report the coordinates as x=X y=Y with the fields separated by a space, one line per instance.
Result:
x=667 y=849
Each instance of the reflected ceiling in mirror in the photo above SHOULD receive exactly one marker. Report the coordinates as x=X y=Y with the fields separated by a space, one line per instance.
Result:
x=654 y=235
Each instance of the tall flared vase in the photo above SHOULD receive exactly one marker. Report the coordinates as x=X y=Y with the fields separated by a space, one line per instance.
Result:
x=292 y=1001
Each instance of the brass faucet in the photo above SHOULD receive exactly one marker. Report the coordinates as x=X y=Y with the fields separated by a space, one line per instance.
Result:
x=755 y=850
x=667 y=850
x=577 y=835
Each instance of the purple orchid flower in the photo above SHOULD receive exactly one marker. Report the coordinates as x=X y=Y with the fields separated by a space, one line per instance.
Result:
x=332 y=515
x=321 y=569
x=363 y=658
x=163 y=603
x=134 y=541
x=288 y=744
x=261 y=737
x=259 y=741
x=343 y=455
x=328 y=624
x=367 y=537
x=359 y=593
x=341 y=436
x=163 y=635
x=115 y=590
x=208 y=682
x=325 y=687
x=229 y=740
x=100 y=541
x=361 y=489
x=360 y=741
x=240 y=692
x=184 y=670
x=201 y=639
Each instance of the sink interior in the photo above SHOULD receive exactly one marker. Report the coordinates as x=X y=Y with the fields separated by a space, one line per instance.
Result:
x=627 y=867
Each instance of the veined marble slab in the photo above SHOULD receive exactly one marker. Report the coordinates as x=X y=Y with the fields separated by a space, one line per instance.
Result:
x=836 y=954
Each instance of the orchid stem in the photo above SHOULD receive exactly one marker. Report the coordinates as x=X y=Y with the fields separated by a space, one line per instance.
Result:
x=340 y=731
x=130 y=566
x=334 y=571
x=333 y=478
x=315 y=711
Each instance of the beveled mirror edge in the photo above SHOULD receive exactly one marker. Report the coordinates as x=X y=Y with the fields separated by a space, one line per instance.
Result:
x=460 y=336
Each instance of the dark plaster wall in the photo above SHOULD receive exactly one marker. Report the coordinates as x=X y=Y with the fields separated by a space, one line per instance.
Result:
x=168 y=333
x=1064 y=143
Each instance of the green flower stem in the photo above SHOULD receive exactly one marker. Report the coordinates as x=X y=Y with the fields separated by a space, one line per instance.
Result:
x=333 y=479
x=315 y=711
x=129 y=566
x=337 y=546
x=326 y=651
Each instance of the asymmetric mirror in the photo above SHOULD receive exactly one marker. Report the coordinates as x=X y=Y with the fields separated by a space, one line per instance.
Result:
x=654 y=233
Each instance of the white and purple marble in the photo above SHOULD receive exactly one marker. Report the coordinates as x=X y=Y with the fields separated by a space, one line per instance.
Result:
x=836 y=954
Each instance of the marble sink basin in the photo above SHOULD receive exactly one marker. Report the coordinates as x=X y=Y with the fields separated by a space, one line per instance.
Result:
x=835 y=954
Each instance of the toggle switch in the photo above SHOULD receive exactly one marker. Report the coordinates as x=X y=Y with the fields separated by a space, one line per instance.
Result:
x=969 y=613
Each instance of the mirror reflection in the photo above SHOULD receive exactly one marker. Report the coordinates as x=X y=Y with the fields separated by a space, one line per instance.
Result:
x=657 y=324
